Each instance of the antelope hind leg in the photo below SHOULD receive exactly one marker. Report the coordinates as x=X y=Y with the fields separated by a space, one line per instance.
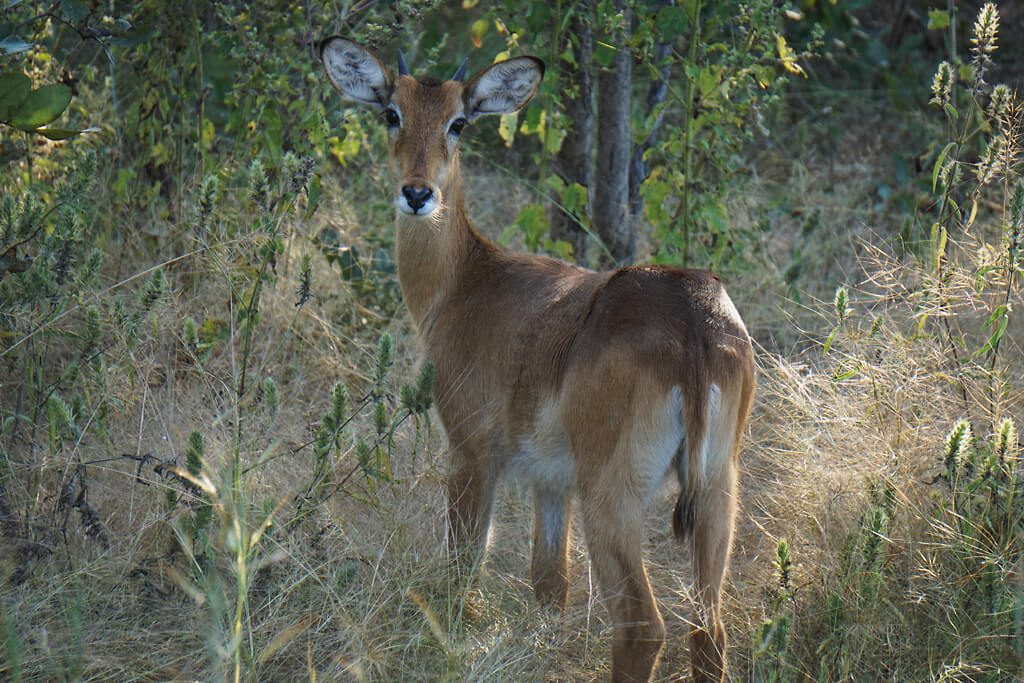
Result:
x=549 y=570
x=711 y=543
x=614 y=533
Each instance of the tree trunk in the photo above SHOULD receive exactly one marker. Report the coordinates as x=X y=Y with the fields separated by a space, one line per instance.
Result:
x=573 y=161
x=611 y=219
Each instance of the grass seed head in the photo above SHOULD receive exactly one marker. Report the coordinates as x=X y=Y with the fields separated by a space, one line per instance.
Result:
x=942 y=84
x=983 y=41
x=959 y=445
x=1004 y=441
x=999 y=103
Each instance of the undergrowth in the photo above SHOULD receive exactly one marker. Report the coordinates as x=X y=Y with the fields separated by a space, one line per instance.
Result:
x=209 y=470
x=917 y=574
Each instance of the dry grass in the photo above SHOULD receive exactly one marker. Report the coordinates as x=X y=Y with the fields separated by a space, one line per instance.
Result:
x=360 y=589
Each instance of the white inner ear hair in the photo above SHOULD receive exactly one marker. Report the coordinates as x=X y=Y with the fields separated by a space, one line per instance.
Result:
x=356 y=73
x=506 y=87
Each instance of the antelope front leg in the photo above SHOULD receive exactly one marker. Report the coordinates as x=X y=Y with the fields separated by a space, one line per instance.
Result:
x=549 y=570
x=471 y=485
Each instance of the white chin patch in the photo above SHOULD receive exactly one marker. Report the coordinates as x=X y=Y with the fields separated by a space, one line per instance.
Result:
x=428 y=208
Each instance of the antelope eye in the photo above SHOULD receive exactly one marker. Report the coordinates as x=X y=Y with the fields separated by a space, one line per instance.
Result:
x=391 y=118
x=457 y=126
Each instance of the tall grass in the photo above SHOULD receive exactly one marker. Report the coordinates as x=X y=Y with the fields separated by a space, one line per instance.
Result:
x=911 y=573
x=208 y=470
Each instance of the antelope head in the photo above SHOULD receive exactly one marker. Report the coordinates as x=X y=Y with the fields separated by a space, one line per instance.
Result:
x=425 y=117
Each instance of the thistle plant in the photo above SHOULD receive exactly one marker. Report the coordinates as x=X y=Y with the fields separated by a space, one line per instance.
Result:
x=332 y=443
x=208 y=196
x=984 y=120
x=57 y=341
x=771 y=639
x=305 y=290
x=857 y=591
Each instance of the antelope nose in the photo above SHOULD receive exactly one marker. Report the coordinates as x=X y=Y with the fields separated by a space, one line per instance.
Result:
x=416 y=196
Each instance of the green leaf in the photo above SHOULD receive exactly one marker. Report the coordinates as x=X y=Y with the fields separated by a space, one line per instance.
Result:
x=57 y=133
x=671 y=22
x=553 y=139
x=534 y=121
x=939 y=238
x=533 y=221
x=574 y=198
x=12 y=45
x=558 y=248
x=273 y=133
x=14 y=89
x=75 y=10
x=604 y=53
x=708 y=81
x=477 y=31
x=787 y=56
x=938 y=19
x=692 y=7
x=938 y=164
x=42 y=106
x=998 y=320
x=831 y=338
x=841 y=375
x=507 y=127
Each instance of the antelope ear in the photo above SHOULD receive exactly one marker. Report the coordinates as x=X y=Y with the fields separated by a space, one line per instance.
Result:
x=504 y=87
x=356 y=72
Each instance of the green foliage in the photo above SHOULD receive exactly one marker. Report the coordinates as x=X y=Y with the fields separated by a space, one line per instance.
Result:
x=880 y=46
x=771 y=638
x=371 y=276
x=385 y=359
x=147 y=264
x=733 y=72
x=917 y=561
x=417 y=398
x=12 y=646
x=271 y=395
x=29 y=110
x=985 y=121
x=959 y=450
x=195 y=455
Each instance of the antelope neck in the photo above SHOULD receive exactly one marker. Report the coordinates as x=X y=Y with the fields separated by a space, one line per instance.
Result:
x=433 y=252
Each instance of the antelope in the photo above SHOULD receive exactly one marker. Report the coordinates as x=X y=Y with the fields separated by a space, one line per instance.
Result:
x=591 y=384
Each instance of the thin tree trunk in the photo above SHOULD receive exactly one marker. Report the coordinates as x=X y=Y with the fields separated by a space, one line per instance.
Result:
x=655 y=97
x=612 y=221
x=573 y=161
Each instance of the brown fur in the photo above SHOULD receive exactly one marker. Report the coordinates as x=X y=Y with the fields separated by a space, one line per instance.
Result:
x=597 y=383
